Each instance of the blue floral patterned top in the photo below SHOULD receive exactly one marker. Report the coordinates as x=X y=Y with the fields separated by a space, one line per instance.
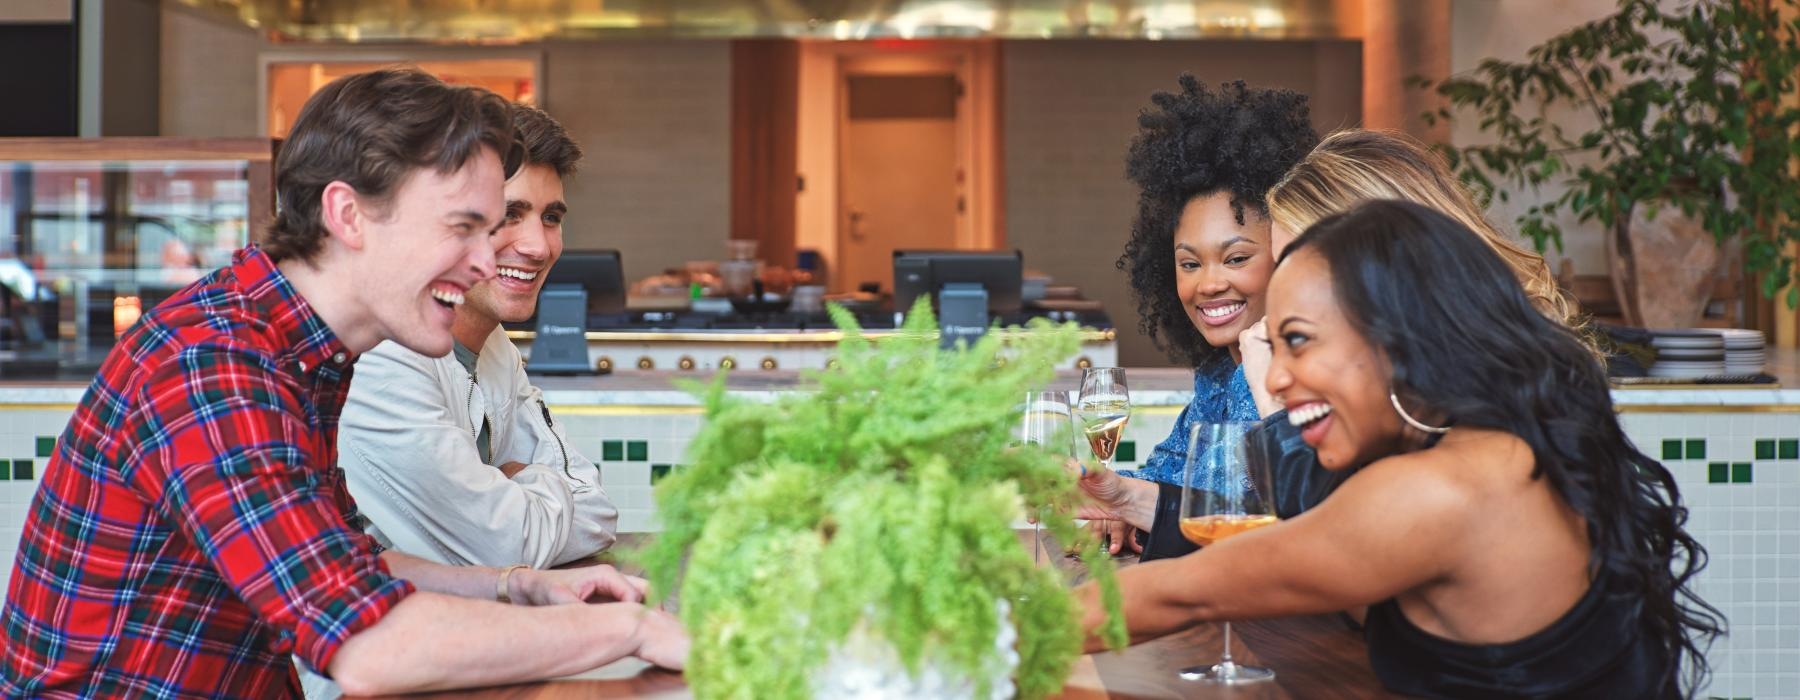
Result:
x=1220 y=394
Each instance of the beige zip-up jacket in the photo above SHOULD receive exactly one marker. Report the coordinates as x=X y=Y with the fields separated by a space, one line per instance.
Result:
x=406 y=442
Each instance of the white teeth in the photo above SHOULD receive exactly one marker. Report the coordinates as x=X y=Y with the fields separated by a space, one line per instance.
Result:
x=1306 y=414
x=1221 y=311
x=452 y=298
x=517 y=274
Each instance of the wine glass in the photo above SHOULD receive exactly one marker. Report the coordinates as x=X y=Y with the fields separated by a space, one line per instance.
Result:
x=1104 y=407
x=1225 y=491
x=1048 y=423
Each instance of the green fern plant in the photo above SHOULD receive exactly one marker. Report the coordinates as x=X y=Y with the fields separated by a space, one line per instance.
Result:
x=883 y=498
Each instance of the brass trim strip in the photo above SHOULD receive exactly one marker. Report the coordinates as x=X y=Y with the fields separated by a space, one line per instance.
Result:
x=642 y=410
x=119 y=149
x=634 y=409
x=664 y=410
x=627 y=410
x=1695 y=387
x=805 y=338
x=1691 y=408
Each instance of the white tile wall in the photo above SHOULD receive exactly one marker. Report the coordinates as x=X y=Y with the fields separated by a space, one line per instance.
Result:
x=1751 y=530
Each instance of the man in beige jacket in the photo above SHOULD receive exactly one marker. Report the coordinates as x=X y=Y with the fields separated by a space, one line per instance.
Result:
x=456 y=458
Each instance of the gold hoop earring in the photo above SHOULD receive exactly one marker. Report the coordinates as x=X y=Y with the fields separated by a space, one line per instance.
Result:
x=1412 y=421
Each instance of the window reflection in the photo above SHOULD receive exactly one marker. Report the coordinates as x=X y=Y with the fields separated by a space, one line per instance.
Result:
x=87 y=246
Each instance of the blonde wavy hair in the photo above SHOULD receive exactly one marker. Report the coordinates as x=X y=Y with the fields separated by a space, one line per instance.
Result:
x=1353 y=166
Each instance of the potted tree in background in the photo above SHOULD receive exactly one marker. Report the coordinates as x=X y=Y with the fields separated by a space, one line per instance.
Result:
x=857 y=539
x=1687 y=135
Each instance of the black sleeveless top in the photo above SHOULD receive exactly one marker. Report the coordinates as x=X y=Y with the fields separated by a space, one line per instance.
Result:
x=1600 y=648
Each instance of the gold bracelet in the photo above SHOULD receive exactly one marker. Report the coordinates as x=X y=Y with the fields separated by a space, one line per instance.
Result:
x=502 y=592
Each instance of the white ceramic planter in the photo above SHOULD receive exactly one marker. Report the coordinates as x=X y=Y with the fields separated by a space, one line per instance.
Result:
x=866 y=666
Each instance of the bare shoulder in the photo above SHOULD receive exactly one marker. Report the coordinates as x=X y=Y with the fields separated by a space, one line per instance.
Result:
x=1446 y=479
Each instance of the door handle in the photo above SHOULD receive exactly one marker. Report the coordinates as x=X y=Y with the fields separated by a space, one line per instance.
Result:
x=856 y=218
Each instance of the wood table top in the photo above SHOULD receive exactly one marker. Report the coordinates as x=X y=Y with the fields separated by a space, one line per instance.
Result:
x=1315 y=656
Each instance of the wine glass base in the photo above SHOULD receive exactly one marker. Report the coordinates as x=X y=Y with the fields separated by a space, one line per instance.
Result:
x=1227 y=673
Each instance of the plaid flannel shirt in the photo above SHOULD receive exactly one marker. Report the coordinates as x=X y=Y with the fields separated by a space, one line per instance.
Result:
x=189 y=533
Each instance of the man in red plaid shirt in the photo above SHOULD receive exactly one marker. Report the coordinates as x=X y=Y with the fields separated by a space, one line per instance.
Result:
x=191 y=530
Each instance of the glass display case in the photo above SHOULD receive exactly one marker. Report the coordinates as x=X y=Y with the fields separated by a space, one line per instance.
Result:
x=93 y=232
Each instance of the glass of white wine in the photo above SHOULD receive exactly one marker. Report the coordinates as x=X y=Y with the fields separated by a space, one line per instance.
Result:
x=1104 y=406
x=1225 y=491
x=1048 y=422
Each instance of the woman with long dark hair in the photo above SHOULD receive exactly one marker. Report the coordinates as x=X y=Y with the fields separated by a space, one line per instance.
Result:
x=1508 y=537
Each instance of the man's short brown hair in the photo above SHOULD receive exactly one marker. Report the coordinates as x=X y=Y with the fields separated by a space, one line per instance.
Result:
x=546 y=143
x=371 y=131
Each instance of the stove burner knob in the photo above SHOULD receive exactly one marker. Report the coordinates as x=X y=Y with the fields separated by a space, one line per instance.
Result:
x=685 y=362
x=768 y=363
x=646 y=363
x=727 y=362
x=604 y=364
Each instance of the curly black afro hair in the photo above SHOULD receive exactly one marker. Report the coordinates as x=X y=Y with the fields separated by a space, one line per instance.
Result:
x=1193 y=143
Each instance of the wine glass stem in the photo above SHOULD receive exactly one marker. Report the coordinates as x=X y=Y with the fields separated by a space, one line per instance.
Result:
x=1226 y=657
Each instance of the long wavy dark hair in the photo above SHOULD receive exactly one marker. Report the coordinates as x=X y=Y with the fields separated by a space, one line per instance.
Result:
x=1200 y=141
x=1464 y=340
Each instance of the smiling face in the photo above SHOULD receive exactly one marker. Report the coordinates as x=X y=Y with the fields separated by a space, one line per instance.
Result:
x=1221 y=268
x=427 y=247
x=525 y=247
x=1332 y=380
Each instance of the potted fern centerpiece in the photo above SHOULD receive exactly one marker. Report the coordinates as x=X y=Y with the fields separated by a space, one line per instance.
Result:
x=858 y=537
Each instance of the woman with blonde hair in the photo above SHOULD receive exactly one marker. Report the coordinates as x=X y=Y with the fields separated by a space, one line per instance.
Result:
x=1353 y=166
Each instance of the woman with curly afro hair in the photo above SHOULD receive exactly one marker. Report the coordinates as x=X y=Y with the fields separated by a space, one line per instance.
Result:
x=1199 y=257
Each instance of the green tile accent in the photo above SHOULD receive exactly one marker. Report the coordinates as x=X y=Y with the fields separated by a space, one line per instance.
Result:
x=5 y=470
x=1671 y=449
x=1790 y=449
x=21 y=470
x=612 y=450
x=1765 y=449
x=658 y=471
x=1126 y=452
x=1696 y=448
x=45 y=445
x=637 y=451
x=1718 y=473
x=1740 y=473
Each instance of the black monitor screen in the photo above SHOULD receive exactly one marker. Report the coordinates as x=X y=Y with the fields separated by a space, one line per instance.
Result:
x=600 y=272
x=1000 y=272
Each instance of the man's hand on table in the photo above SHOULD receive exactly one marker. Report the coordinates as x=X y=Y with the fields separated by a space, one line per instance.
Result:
x=662 y=641
x=577 y=585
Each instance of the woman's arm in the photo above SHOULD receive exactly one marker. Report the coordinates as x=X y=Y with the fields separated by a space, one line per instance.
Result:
x=1395 y=526
x=1118 y=498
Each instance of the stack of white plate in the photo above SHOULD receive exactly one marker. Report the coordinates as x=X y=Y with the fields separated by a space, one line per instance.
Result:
x=1688 y=353
x=1744 y=353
